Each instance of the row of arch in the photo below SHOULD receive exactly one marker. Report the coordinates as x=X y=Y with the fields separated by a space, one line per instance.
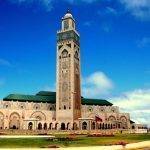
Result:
x=52 y=126
x=15 y=119
x=63 y=126
x=14 y=123
x=66 y=54
x=103 y=126
x=35 y=106
x=113 y=118
x=39 y=127
x=37 y=114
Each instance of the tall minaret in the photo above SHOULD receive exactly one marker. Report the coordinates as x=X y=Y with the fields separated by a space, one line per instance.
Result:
x=68 y=98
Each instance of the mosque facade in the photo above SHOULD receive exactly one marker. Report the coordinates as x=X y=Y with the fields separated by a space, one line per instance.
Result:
x=64 y=109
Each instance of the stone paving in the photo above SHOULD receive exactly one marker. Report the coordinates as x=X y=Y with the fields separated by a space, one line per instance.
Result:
x=26 y=136
x=115 y=147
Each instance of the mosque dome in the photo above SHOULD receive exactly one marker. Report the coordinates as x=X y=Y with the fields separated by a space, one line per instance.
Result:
x=68 y=15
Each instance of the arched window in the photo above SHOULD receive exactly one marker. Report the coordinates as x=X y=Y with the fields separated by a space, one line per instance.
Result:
x=123 y=121
x=75 y=127
x=111 y=126
x=56 y=125
x=68 y=125
x=64 y=53
x=100 y=126
x=45 y=126
x=65 y=107
x=93 y=125
x=84 y=126
x=14 y=121
x=103 y=126
x=114 y=126
x=30 y=126
x=50 y=126
x=63 y=126
x=76 y=55
x=40 y=126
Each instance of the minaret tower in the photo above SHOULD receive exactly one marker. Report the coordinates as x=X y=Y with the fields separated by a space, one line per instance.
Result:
x=68 y=98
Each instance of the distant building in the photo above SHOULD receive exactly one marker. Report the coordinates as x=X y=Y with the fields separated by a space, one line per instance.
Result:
x=64 y=109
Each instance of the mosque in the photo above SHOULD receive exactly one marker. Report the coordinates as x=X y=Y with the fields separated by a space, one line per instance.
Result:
x=64 y=109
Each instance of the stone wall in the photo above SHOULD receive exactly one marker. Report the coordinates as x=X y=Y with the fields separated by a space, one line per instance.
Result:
x=19 y=114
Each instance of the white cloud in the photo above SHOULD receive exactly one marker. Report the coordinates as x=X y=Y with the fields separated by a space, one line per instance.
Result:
x=138 y=8
x=144 y=42
x=111 y=10
x=95 y=85
x=137 y=103
x=46 y=4
x=4 y=62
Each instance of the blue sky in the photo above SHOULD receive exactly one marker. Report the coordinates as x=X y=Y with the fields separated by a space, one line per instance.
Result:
x=115 y=48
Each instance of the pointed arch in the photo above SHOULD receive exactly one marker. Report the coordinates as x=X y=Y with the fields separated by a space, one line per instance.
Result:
x=63 y=127
x=56 y=126
x=38 y=115
x=39 y=126
x=123 y=119
x=64 y=53
x=51 y=126
x=14 y=122
x=75 y=126
x=111 y=118
x=68 y=125
x=100 y=126
x=103 y=126
x=30 y=126
x=93 y=126
x=76 y=55
x=84 y=125
x=45 y=126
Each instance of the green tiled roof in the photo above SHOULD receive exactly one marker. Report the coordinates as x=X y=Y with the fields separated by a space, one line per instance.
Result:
x=30 y=98
x=46 y=93
x=50 y=97
x=101 y=102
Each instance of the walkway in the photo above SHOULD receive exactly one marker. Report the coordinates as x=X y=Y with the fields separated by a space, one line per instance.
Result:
x=114 y=147
x=26 y=136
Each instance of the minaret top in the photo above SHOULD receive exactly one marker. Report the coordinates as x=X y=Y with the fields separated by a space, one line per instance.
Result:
x=68 y=14
x=68 y=22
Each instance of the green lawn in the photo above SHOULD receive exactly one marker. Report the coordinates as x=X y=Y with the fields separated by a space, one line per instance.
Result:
x=79 y=141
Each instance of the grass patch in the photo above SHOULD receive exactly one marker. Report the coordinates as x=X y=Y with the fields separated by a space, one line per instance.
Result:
x=77 y=141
